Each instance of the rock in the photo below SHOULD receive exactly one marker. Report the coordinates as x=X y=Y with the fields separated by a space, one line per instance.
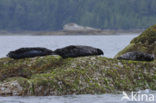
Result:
x=76 y=27
x=146 y=42
x=52 y=75
x=13 y=87
x=78 y=51
x=29 y=53
x=137 y=56
x=10 y=88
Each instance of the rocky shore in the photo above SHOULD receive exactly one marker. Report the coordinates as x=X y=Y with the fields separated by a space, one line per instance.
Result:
x=53 y=75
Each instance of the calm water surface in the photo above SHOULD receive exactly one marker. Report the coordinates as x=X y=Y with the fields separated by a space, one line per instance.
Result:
x=109 y=44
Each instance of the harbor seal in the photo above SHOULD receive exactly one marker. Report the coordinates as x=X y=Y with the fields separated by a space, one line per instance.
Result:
x=29 y=53
x=137 y=56
x=78 y=51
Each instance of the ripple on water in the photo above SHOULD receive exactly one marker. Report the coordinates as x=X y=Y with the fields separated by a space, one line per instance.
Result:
x=105 y=98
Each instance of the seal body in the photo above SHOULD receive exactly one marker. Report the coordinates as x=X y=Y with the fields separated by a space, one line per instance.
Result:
x=29 y=52
x=137 y=56
x=78 y=51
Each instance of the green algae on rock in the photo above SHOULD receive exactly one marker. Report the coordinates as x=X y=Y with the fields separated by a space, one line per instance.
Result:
x=146 y=42
x=52 y=75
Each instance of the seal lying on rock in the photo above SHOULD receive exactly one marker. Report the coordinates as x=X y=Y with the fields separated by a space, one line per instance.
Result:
x=137 y=56
x=78 y=51
x=29 y=52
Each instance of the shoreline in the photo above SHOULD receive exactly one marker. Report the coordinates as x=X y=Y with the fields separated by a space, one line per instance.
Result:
x=62 y=32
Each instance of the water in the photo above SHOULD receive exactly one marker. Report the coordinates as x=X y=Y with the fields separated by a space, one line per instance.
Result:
x=105 y=98
x=109 y=44
x=64 y=99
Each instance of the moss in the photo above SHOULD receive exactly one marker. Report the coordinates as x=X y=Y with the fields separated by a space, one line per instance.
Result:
x=51 y=75
x=146 y=42
x=27 y=67
x=148 y=36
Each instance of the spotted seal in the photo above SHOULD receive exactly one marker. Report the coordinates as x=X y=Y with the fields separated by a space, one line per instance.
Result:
x=137 y=56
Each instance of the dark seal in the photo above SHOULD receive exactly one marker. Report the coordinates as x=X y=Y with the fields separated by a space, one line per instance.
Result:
x=137 y=56
x=29 y=53
x=78 y=51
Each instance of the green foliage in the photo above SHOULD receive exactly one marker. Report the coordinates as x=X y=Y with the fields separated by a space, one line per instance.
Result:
x=53 y=14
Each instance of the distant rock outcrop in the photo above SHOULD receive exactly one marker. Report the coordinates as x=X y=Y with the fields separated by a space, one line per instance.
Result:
x=76 y=27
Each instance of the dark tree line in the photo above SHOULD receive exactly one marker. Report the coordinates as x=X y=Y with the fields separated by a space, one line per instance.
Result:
x=53 y=14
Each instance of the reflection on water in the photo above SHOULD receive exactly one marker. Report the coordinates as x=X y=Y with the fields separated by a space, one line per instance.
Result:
x=109 y=44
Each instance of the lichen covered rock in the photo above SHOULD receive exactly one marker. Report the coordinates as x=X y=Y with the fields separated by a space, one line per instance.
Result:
x=146 y=42
x=52 y=75
x=14 y=86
